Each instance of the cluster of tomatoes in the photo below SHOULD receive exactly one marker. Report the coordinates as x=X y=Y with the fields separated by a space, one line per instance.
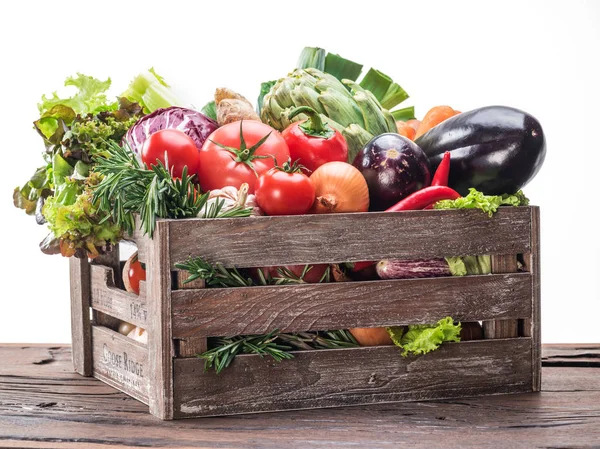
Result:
x=274 y=165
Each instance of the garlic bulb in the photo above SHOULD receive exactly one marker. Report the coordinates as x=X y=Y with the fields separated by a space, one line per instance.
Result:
x=139 y=334
x=232 y=197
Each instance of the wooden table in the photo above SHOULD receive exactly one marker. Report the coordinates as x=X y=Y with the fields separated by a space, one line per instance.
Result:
x=43 y=404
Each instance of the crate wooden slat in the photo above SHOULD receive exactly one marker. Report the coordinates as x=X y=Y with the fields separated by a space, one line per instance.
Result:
x=331 y=378
x=255 y=310
x=165 y=374
x=330 y=238
x=121 y=362
x=81 y=330
x=109 y=299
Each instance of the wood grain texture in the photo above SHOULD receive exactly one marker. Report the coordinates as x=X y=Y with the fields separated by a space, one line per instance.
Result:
x=140 y=240
x=330 y=378
x=250 y=310
x=160 y=340
x=120 y=362
x=535 y=329
x=189 y=346
x=81 y=336
x=44 y=404
x=506 y=263
x=572 y=355
x=111 y=260
x=264 y=241
x=109 y=299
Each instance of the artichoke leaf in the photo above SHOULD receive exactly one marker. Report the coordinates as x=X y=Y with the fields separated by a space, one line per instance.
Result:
x=357 y=138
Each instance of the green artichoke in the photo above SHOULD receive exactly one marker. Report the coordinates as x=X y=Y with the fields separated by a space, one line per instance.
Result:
x=345 y=105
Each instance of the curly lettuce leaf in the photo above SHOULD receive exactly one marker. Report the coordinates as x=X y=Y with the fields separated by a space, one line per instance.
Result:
x=90 y=97
x=75 y=220
x=38 y=186
x=487 y=203
x=469 y=265
x=421 y=339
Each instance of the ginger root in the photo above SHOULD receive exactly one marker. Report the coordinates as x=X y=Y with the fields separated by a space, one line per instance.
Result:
x=233 y=107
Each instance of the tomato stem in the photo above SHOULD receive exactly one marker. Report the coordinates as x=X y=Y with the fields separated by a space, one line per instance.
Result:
x=314 y=125
x=243 y=154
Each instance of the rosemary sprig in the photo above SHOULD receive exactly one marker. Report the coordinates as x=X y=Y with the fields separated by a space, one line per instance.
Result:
x=226 y=349
x=128 y=188
x=274 y=344
x=216 y=275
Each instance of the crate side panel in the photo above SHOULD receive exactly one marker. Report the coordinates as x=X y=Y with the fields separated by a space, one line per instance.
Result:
x=264 y=241
x=121 y=362
x=332 y=378
x=256 y=310
x=81 y=337
x=109 y=299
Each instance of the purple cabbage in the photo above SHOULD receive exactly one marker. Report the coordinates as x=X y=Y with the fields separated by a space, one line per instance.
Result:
x=193 y=123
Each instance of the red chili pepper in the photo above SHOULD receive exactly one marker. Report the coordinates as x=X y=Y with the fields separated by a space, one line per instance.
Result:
x=313 y=142
x=416 y=201
x=424 y=197
x=441 y=174
x=443 y=171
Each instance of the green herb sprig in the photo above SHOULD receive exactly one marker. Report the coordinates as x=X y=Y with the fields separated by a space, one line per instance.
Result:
x=129 y=188
x=274 y=344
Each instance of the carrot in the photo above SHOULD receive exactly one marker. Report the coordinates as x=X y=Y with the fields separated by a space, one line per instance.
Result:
x=414 y=123
x=434 y=117
x=404 y=129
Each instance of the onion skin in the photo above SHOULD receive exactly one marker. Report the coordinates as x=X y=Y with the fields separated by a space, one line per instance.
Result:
x=371 y=336
x=339 y=187
x=409 y=269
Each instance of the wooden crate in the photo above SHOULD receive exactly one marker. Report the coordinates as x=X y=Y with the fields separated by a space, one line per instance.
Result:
x=165 y=374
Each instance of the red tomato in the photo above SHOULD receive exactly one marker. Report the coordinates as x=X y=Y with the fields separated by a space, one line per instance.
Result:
x=136 y=274
x=174 y=145
x=228 y=160
x=282 y=193
x=312 y=152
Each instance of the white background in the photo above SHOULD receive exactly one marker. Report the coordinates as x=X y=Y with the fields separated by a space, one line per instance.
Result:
x=541 y=57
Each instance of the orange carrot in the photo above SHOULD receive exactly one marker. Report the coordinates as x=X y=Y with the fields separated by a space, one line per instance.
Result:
x=405 y=130
x=414 y=123
x=434 y=117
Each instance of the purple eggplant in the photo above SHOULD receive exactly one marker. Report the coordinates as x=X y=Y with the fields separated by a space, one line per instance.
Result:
x=394 y=167
x=416 y=268
x=495 y=149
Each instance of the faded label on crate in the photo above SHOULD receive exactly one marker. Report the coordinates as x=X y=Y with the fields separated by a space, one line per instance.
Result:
x=120 y=305
x=121 y=362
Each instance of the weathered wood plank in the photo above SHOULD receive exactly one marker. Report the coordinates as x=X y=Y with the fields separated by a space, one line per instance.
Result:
x=337 y=377
x=121 y=362
x=264 y=241
x=250 y=310
x=190 y=346
x=109 y=299
x=111 y=260
x=572 y=355
x=502 y=328
x=535 y=328
x=160 y=341
x=81 y=336
x=43 y=403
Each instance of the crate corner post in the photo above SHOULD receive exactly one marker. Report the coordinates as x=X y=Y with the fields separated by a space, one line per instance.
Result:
x=535 y=325
x=160 y=341
x=81 y=326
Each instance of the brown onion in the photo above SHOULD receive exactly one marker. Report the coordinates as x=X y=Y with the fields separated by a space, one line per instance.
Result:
x=339 y=187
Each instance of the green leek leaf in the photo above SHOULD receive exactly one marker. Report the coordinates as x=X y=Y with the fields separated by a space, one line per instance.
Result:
x=312 y=57
x=342 y=68
x=404 y=114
